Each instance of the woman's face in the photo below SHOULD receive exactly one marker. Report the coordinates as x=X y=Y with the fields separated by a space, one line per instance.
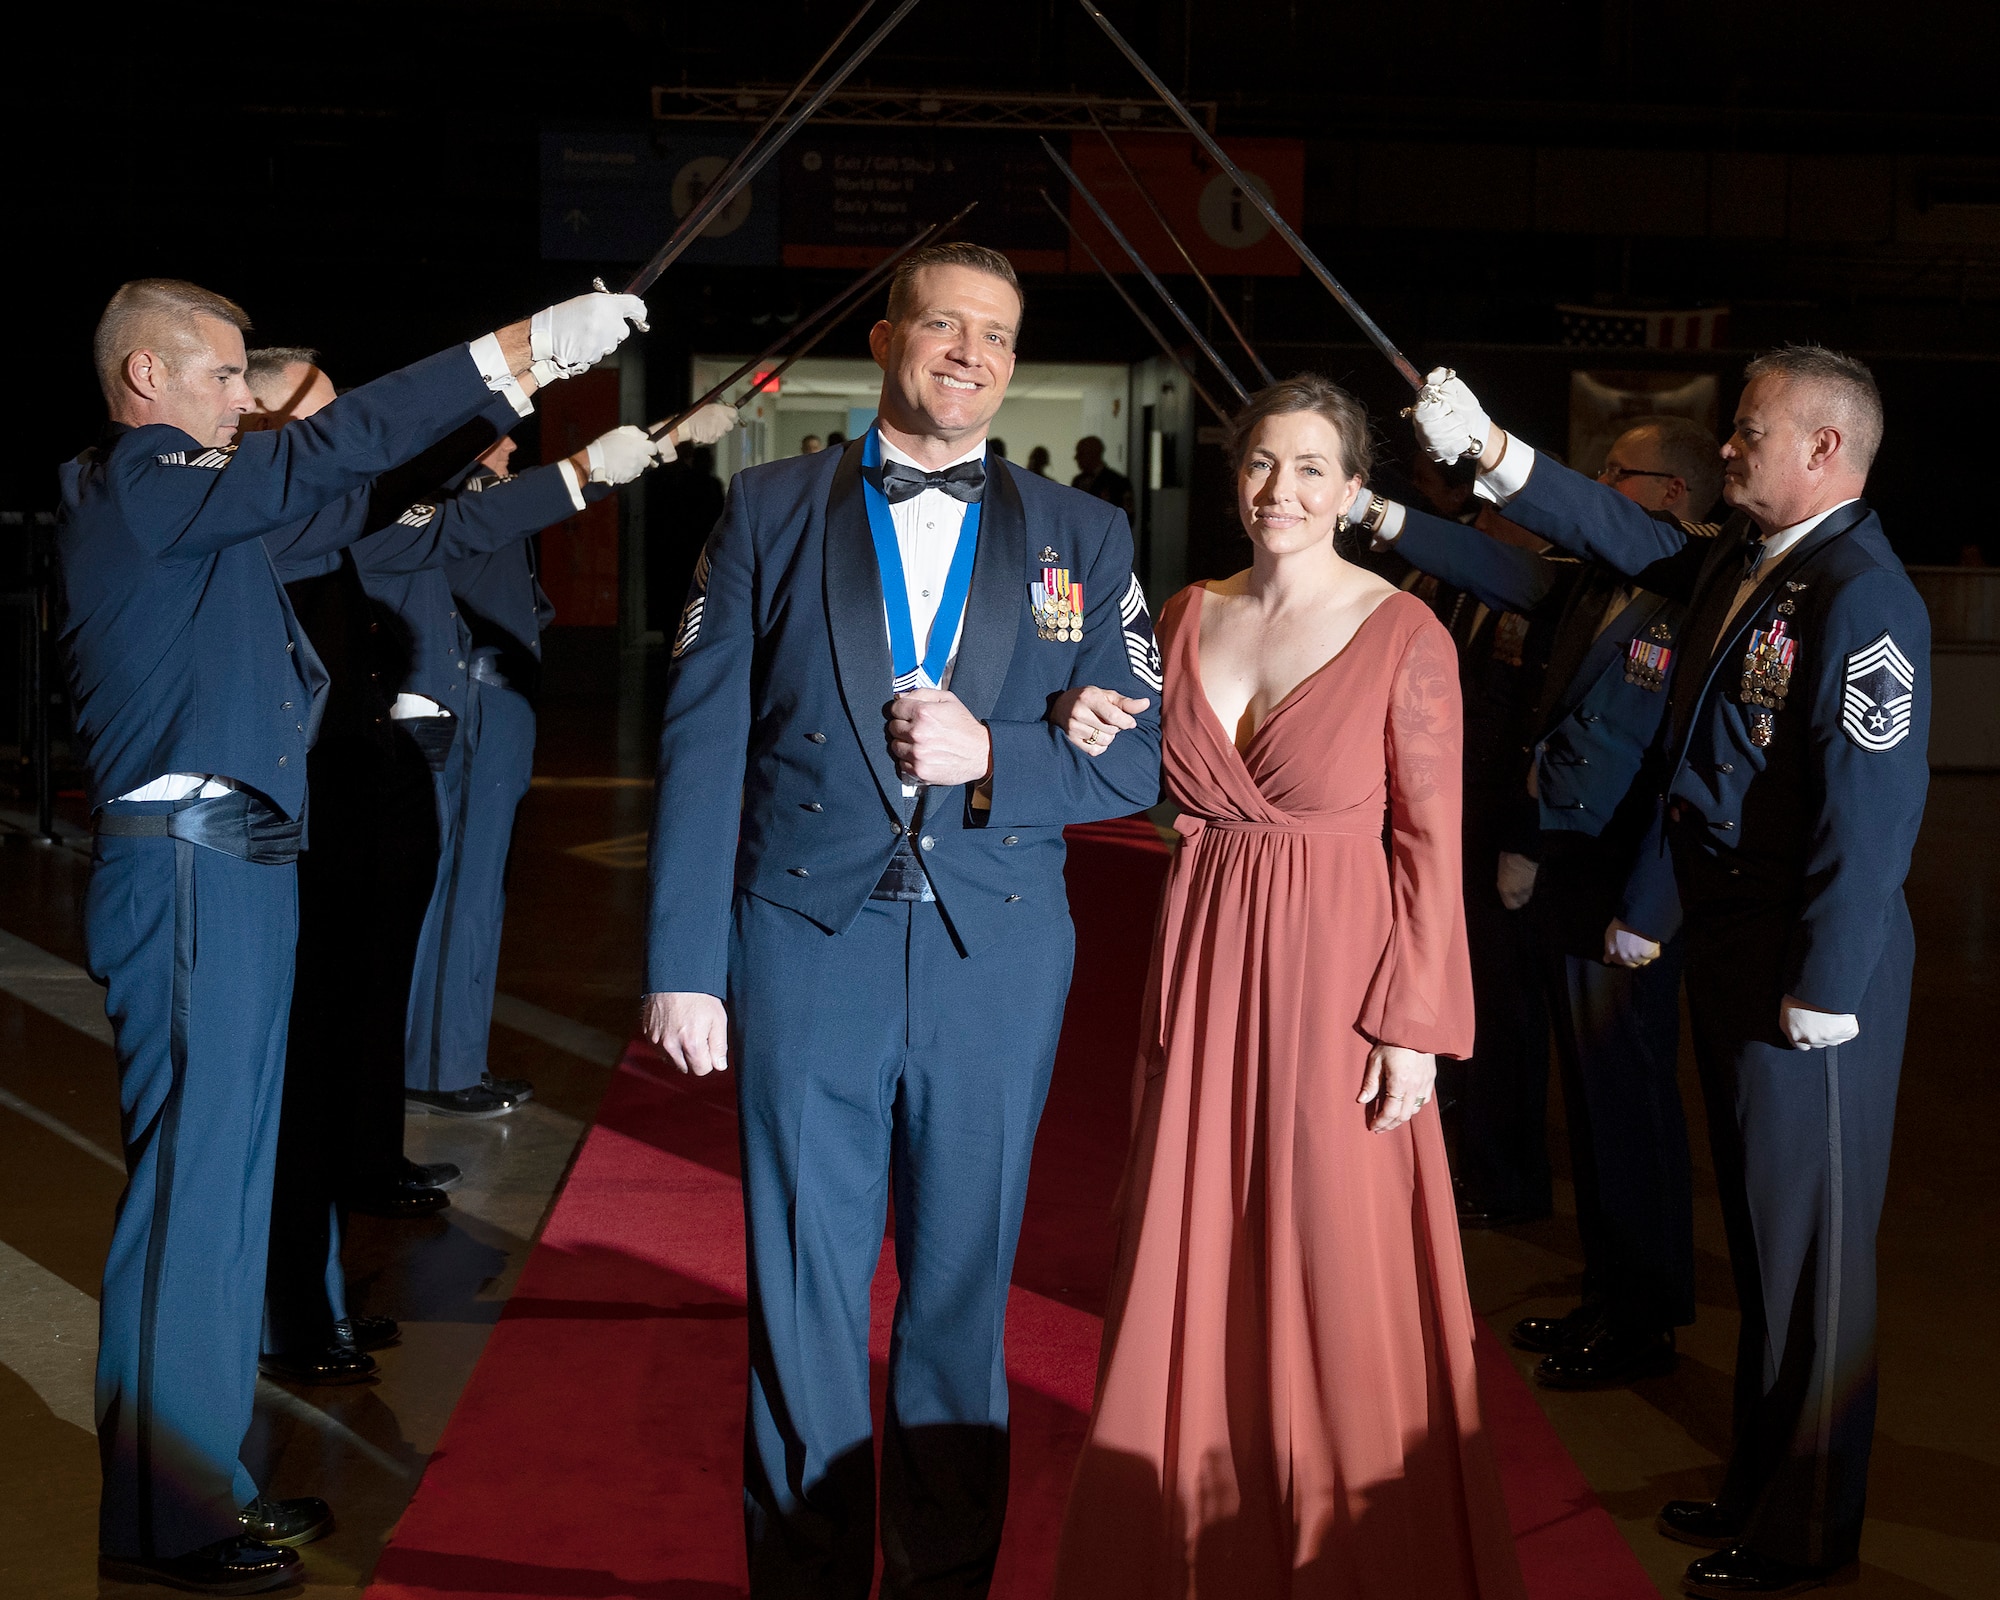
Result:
x=1291 y=486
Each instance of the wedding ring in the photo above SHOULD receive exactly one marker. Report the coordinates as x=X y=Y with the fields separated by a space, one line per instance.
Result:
x=1090 y=737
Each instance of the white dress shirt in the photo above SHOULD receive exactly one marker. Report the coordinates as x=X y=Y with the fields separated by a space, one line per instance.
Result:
x=1775 y=547
x=927 y=528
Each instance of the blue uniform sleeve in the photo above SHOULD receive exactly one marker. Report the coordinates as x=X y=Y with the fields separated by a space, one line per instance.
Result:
x=1650 y=901
x=1870 y=722
x=1592 y=519
x=1501 y=576
x=429 y=534
x=704 y=744
x=1040 y=779
x=178 y=499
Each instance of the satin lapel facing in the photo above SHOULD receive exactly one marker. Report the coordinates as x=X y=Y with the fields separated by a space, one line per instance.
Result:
x=854 y=623
x=993 y=608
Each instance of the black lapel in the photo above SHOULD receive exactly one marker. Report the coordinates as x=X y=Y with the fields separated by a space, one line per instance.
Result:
x=854 y=623
x=1607 y=647
x=993 y=607
x=1710 y=598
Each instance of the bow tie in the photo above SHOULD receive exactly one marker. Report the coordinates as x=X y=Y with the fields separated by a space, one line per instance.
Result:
x=964 y=482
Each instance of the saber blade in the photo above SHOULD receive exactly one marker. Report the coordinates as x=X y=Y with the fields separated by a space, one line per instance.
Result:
x=1257 y=197
x=824 y=319
x=1166 y=227
x=1146 y=322
x=754 y=157
x=1159 y=288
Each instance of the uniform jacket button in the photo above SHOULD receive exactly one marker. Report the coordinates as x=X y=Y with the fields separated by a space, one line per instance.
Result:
x=286 y=706
x=817 y=738
x=290 y=646
x=798 y=872
x=928 y=842
x=1726 y=767
x=282 y=760
x=814 y=805
x=1727 y=827
x=1010 y=899
x=1012 y=838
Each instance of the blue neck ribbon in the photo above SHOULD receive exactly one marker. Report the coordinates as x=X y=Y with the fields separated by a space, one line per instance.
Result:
x=909 y=671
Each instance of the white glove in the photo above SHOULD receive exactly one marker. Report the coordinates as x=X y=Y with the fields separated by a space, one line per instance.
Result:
x=1627 y=947
x=621 y=455
x=707 y=425
x=1515 y=880
x=1815 y=1030
x=1450 y=422
x=573 y=337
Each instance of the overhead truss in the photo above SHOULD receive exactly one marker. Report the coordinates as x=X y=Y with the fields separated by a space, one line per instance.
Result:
x=926 y=108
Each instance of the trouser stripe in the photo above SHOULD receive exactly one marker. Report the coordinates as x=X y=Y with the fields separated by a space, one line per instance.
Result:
x=1830 y=1338
x=165 y=1136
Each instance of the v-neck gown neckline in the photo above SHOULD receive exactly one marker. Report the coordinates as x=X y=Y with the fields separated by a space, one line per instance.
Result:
x=1287 y=1405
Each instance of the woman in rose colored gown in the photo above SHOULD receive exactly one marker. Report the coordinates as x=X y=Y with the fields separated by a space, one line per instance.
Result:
x=1286 y=1402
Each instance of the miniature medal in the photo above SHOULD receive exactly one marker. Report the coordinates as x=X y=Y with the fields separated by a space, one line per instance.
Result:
x=1058 y=606
x=1646 y=664
x=1761 y=724
x=1767 y=666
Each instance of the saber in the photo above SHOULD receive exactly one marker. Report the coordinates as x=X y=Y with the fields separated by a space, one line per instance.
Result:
x=1174 y=239
x=1159 y=288
x=1257 y=197
x=752 y=158
x=825 y=319
x=1132 y=305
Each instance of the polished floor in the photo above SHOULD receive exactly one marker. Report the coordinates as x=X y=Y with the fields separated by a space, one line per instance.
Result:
x=570 y=969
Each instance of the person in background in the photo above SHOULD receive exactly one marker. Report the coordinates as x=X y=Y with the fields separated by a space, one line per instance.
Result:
x=1613 y=994
x=811 y=445
x=835 y=439
x=1038 y=460
x=1093 y=477
x=998 y=447
x=685 y=506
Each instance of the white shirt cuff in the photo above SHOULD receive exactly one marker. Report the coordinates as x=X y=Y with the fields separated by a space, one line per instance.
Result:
x=180 y=785
x=493 y=368
x=1510 y=477
x=1392 y=523
x=409 y=705
x=570 y=482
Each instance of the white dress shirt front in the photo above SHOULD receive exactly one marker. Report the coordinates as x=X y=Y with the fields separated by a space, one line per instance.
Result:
x=927 y=529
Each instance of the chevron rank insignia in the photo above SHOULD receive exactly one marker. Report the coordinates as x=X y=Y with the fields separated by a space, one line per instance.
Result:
x=418 y=516
x=215 y=460
x=1875 y=694
x=690 y=628
x=1142 y=650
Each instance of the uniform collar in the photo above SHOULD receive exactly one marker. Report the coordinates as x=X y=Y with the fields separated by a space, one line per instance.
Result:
x=1783 y=540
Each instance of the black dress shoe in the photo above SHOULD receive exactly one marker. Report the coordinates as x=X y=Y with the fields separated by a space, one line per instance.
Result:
x=1698 y=1522
x=368 y=1333
x=1609 y=1357
x=230 y=1566
x=1738 y=1572
x=1546 y=1335
x=518 y=1090
x=474 y=1104
x=405 y=1201
x=286 y=1524
x=433 y=1174
x=337 y=1363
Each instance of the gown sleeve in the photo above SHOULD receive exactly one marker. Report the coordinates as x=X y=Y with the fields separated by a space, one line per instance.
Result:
x=1421 y=995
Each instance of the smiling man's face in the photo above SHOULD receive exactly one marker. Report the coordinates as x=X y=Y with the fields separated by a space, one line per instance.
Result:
x=945 y=366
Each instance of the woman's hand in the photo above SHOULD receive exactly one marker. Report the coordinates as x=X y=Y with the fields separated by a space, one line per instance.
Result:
x=1093 y=717
x=1399 y=1082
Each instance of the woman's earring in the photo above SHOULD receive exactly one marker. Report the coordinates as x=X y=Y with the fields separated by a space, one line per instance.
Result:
x=1340 y=523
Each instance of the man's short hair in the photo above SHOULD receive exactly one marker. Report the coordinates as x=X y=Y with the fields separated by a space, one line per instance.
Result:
x=1836 y=390
x=274 y=361
x=149 y=310
x=955 y=253
x=1689 y=451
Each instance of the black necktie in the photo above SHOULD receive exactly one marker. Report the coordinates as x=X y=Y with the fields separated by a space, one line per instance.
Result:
x=964 y=482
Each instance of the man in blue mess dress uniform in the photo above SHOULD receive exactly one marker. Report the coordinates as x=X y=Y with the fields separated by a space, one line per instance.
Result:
x=1792 y=775
x=197 y=696
x=857 y=894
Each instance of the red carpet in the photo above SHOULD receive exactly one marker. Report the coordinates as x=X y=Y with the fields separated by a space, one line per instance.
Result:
x=597 y=1449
